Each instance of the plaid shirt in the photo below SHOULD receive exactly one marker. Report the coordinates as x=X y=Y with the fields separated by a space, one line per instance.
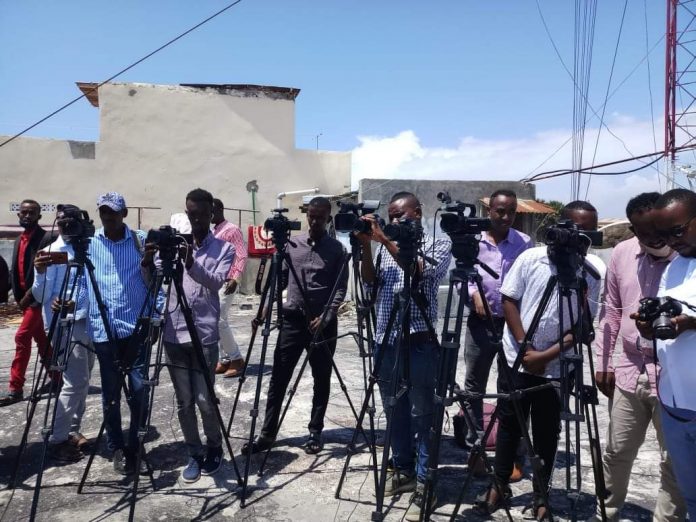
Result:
x=391 y=282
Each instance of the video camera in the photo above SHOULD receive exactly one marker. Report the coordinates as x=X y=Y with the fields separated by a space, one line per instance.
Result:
x=659 y=311
x=460 y=218
x=567 y=247
x=348 y=217
x=280 y=226
x=566 y=234
x=76 y=226
x=168 y=241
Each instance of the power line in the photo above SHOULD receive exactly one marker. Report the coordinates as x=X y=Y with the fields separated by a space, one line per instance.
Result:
x=90 y=91
x=606 y=95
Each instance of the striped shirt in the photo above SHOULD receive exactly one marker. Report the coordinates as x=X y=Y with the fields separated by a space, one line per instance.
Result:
x=391 y=282
x=232 y=234
x=120 y=281
x=47 y=286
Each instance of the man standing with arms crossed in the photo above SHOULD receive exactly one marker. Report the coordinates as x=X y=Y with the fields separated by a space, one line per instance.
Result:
x=499 y=247
x=231 y=359
x=634 y=272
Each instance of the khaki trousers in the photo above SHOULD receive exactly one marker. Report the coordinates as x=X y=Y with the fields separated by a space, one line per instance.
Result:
x=631 y=414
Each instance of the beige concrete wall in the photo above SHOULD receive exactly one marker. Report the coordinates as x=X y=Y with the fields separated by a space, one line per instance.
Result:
x=157 y=142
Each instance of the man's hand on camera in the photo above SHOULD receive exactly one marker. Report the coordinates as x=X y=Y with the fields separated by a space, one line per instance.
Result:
x=644 y=327
x=231 y=286
x=186 y=254
x=41 y=261
x=683 y=322
x=377 y=233
x=534 y=362
x=149 y=254
x=606 y=382
x=67 y=305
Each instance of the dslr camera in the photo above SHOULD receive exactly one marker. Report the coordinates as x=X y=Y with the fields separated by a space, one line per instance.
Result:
x=75 y=224
x=659 y=311
x=348 y=217
x=406 y=231
x=279 y=225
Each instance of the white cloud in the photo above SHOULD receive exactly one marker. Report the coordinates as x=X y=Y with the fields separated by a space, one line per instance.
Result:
x=403 y=156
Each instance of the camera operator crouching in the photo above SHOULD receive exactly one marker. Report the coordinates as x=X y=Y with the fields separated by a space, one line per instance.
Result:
x=412 y=414
x=674 y=214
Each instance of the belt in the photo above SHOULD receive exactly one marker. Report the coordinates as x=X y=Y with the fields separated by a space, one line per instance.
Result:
x=420 y=337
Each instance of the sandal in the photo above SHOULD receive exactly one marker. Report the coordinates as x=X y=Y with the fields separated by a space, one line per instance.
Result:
x=539 y=511
x=491 y=500
x=314 y=444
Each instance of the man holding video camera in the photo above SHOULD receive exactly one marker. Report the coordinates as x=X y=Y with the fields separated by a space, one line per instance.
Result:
x=206 y=264
x=674 y=214
x=412 y=415
x=116 y=252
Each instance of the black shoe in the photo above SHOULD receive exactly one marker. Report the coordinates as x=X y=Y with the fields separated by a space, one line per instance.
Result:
x=262 y=443
x=11 y=397
x=131 y=460
x=212 y=462
x=119 y=460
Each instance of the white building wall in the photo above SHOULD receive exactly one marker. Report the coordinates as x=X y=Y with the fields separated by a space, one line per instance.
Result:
x=157 y=142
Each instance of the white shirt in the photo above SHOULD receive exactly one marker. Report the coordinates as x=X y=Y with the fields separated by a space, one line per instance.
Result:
x=677 y=357
x=526 y=283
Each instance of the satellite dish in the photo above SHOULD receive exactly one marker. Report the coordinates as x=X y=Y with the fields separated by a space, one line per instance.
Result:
x=252 y=186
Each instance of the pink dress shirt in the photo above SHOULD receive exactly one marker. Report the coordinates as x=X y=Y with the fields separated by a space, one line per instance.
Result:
x=632 y=275
x=232 y=234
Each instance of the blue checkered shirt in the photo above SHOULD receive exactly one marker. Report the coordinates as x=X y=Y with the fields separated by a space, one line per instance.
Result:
x=391 y=282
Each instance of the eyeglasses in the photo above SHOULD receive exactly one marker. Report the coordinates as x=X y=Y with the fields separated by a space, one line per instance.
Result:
x=676 y=232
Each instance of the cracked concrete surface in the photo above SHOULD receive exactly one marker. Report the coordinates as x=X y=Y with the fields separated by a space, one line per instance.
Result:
x=294 y=486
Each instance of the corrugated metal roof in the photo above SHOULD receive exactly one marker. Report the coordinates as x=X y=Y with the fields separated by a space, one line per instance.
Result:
x=527 y=206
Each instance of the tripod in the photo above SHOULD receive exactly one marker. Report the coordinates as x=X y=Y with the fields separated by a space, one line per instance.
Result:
x=170 y=273
x=366 y=322
x=564 y=284
x=465 y=251
x=60 y=335
x=272 y=297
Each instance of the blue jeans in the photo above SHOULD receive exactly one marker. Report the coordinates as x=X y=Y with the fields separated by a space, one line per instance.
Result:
x=110 y=361
x=680 y=439
x=412 y=415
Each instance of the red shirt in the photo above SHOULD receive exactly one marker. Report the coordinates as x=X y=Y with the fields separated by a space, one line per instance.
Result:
x=23 y=243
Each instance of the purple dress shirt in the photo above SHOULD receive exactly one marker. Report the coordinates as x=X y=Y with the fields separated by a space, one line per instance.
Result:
x=212 y=260
x=632 y=275
x=500 y=258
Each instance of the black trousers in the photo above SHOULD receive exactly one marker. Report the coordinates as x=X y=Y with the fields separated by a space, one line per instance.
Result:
x=544 y=406
x=293 y=340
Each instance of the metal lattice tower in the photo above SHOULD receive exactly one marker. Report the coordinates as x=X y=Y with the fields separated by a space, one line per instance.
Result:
x=680 y=80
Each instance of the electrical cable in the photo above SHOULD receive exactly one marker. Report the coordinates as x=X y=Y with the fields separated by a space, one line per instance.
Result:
x=113 y=77
x=606 y=95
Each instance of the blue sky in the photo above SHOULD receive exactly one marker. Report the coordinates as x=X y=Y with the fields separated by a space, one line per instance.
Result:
x=372 y=73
